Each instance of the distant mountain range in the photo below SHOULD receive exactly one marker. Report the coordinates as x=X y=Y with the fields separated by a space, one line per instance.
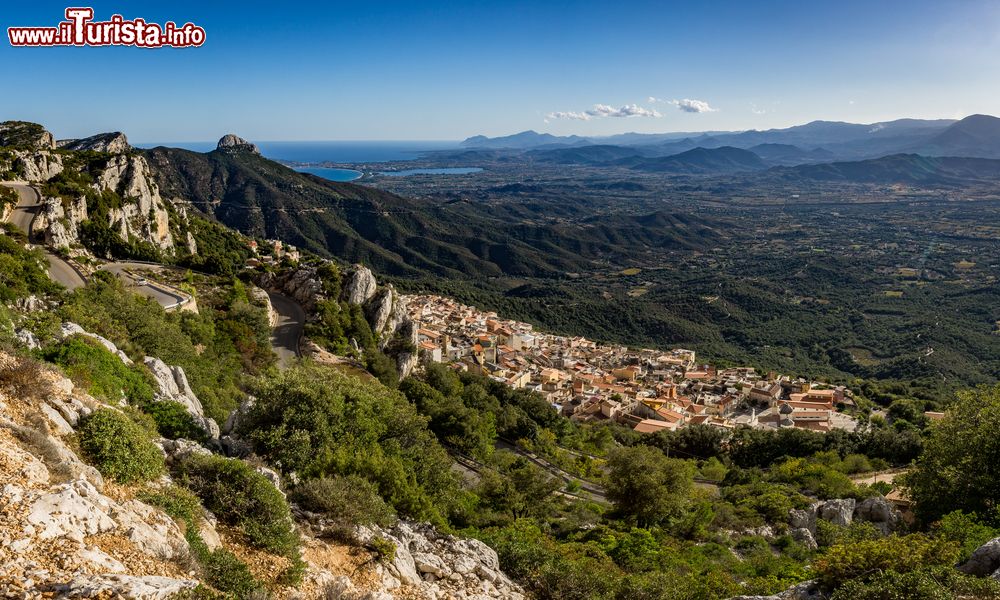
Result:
x=977 y=136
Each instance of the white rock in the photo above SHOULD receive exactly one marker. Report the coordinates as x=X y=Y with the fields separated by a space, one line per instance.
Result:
x=125 y=587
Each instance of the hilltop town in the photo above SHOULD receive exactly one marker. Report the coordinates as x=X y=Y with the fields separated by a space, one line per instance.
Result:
x=646 y=390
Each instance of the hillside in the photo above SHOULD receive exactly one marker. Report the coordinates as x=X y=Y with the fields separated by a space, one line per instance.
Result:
x=975 y=135
x=899 y=168
x=390 y=233
x=701 y=161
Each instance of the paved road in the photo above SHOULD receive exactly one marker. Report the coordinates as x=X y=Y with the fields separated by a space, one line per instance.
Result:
x=22 y=216
x=166 y=297
x=287 y=332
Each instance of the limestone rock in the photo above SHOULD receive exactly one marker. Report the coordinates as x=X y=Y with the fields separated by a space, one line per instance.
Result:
x=125 y=587
x=359 y=285
x=839 y=511
x=27 y=339
x=112 y=143
x=144 y=214
x=37 y=166
x=985 y=560
x=878 y=511
x=232 y=142
x=805 y=537
x=172 y=384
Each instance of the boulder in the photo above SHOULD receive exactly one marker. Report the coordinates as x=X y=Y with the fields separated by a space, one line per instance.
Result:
x=121 y=586
x=839 y=511
x=27 y=339
x=805 y=537
x=985 y=560
x=880 y=512
x=172 y=384
x=359 y=285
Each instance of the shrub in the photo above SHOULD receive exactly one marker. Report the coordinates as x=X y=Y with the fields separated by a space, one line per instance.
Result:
x=118 y=447
x=349 y=500
x=104 y=375
x=22 y=374
x=862 y=559
x=222 y=569
x=384 y=549
x=240 y=496
x=941 y=583
x=173 y=421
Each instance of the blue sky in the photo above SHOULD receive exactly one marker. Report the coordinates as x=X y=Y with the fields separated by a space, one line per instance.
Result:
x=448 y=70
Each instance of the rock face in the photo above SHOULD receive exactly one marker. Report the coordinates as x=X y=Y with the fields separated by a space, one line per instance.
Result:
x=112 y=143
x=144 y=214
x=442 y=565
x=172 y=384
x=359 y=285
x=232 y=142
x=985 y=561
x=844 y=511
x=301 y=284
x=57 y=221
x=35 y=165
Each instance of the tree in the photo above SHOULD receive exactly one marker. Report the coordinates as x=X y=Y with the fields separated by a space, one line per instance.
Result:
x=957 y=470
x=648 y=486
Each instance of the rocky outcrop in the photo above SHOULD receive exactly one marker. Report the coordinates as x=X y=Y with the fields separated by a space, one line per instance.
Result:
x=844 y=511
x=301 y=284
x=440 y=565
x=124 y=587
x=359 y=285
x=35 y=166
x=143 y=214
x=807 y=590
x=172 y=384
x=985 y=561
x=260 y=298
x=112 y=143
x=26 y=135
x=232 y=142
x=58 y=220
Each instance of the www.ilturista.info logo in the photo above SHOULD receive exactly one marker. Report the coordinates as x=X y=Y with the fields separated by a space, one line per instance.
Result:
x=80 y=29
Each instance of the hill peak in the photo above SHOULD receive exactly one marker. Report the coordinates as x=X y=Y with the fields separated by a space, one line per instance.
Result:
x=231 y=141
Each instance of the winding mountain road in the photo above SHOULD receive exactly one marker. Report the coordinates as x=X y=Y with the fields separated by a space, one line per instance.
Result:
x=285 y=335
x=22 y=216
x=287 y=331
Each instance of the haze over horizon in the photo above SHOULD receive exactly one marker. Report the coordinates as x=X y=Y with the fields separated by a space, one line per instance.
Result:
x=447 y=71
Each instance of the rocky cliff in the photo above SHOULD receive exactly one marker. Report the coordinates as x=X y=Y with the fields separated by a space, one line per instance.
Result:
x=109 y=165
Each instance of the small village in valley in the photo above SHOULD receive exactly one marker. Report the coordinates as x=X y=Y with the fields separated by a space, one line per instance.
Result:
x=646 y=390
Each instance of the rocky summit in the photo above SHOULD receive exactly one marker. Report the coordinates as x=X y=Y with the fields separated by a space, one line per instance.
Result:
x=232 y=141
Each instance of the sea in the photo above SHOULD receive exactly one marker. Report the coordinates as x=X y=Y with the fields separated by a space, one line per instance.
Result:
x=340 y=152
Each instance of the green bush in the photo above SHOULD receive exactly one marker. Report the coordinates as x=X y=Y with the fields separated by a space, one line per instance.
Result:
x=118 y=447
x=93 y=367
x=173 y=421
x=862 y=559
x=349 y=500
x=222 y=569
x=240 y=496
x=941 y=583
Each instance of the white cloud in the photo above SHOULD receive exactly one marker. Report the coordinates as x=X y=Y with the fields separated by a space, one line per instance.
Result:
x=686 y=105
x=693 y=106
x=604 y=110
